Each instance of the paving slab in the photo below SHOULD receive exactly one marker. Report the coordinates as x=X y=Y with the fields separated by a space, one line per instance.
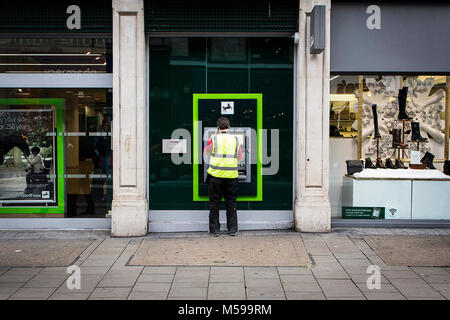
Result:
x=415 y=288
x=157 y=288
x=264 y=288
x=37 y=293
x=330 y=272
x=384 y=287
x=110 y=293
x=69 y=296
x=429 y=270
x=155 y=278
x=256 y=293
x=376 y=295
x=261 y=273
x=159 y=270
x=338 y=288
x=305 y=295
x=227 y=270
x=187 y=293
x=19 y=274
x=436 y=278
x=119 y=279
x=86 y=270
x=230 y=278
x=294 y=270
x=442 y=288
x=400 y=274
x=226 y=291
x=147 y=296
x=45 y=282
x=192 y=279
x=301 y=285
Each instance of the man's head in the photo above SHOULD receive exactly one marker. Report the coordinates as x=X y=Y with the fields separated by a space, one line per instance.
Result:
x=223 y=123
x=35 y=150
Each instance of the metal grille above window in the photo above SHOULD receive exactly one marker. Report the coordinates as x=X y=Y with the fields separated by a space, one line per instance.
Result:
x=40 y=16
x=221 y=16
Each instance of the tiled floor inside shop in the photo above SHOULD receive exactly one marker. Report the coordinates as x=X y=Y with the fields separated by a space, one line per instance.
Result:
x=340 y=262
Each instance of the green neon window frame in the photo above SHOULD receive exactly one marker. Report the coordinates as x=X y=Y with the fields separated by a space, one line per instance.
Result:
x=59 y=104
x=259 y=181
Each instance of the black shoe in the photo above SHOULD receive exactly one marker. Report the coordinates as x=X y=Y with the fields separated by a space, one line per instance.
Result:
x=415 y=135
x=214 y=234
x=376 y=133
x=447 y=167
x=369 y=164
x=399 y=164
x=232 y=233
x=389 y=164
x=402 y=95
x=380 y=164
x=428 y=160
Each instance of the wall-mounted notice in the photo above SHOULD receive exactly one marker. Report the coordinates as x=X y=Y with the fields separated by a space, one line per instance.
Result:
x=174 y=146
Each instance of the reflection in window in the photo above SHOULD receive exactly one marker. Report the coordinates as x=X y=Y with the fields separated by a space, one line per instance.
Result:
x=72 y=130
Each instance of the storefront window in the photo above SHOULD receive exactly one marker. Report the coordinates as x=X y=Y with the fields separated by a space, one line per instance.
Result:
x=385 y=118
x=56 y=154
x=50 y=55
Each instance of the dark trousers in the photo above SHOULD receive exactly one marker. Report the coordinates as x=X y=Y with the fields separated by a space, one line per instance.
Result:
x=228 y=188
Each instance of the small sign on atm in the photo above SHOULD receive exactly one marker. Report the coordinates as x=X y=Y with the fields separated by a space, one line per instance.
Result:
x=227 y=107
x=174 y=145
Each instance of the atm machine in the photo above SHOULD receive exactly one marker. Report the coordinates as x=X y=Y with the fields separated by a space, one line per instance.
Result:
x=245 y=114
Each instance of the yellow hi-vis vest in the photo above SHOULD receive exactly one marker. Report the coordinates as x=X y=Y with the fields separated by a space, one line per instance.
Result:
x=223 y=162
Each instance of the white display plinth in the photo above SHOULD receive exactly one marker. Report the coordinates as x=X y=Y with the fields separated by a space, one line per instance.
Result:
x=405 y=194
x=430 y=200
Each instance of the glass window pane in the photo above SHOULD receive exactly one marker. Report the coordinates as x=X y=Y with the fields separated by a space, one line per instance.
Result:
x=68 y=168
x=76 y=55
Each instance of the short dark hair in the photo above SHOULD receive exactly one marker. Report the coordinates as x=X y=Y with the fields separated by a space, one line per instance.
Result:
x=35 y=150
x=223 y=123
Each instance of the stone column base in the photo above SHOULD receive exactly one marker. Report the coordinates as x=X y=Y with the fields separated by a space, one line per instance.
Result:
x=312 y=214
x=129 y=218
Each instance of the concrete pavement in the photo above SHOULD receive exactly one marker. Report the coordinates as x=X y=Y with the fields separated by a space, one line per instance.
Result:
x=339 y=271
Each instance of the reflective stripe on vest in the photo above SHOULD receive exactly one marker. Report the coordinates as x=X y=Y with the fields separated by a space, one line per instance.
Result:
x=223 y=162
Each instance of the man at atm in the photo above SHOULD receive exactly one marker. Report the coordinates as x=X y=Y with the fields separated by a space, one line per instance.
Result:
x=225 y=151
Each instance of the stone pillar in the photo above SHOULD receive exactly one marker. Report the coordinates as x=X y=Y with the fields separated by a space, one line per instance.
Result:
x=312 y=212
x=129 y=205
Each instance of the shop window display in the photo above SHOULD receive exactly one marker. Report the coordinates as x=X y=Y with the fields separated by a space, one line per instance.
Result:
x=56 y=154
x=396 y=123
